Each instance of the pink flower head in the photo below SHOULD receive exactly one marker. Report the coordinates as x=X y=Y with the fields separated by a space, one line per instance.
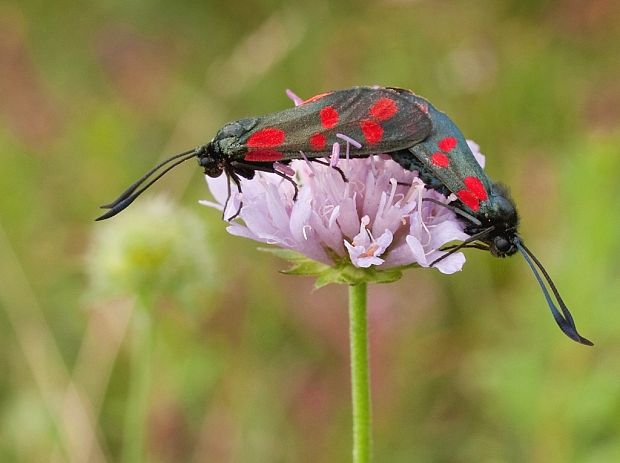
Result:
x=377 y=219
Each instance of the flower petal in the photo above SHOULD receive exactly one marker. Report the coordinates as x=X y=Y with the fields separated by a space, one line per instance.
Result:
x=376 y=219
x=451 y=264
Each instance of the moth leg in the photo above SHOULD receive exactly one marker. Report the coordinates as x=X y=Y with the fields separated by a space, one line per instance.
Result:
x=480 y=246
x=293 y=182
x=235 y=178
x=465 y=243
x=336 y=168
x=269 y=169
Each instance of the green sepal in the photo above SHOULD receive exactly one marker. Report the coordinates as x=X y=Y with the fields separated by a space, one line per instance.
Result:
x=341 y=272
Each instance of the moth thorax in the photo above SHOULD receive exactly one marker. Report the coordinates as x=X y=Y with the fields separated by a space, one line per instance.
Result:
x=501 y=213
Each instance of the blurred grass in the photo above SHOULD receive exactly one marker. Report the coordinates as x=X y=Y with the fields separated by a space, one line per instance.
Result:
x=254 y=368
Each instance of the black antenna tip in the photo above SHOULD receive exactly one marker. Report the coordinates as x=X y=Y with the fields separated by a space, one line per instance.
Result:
x=107 y=215
x=118 y=207
x=131 y=193
x=570 y=330
x=584 y=341
x=563 y=319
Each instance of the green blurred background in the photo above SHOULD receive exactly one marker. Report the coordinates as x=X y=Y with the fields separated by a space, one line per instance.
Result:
x=162 y=316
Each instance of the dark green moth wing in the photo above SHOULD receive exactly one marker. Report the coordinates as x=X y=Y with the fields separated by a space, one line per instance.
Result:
x=379 y=119
x=447 y=161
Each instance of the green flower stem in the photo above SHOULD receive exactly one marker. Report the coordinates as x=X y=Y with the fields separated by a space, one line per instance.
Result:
x=360 y=375
x=139 y=386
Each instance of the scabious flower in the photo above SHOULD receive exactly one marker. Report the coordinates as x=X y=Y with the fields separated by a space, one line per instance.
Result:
x=376 y=221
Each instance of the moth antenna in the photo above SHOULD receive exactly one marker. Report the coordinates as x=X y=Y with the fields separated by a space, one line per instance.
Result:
x=564 y=320
x=130 y=194
x=142 y=179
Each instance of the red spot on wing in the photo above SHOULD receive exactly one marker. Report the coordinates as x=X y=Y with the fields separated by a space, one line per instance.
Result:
x=475 y=186
x=372 y=131
x=473 y=194
x=263 y=155
x=447 y=144
x=318 y=141
x=316 y=97
x=440 y=160
x=329 y=117
x=468 y=198
x=383 y=109
x=266 y=138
